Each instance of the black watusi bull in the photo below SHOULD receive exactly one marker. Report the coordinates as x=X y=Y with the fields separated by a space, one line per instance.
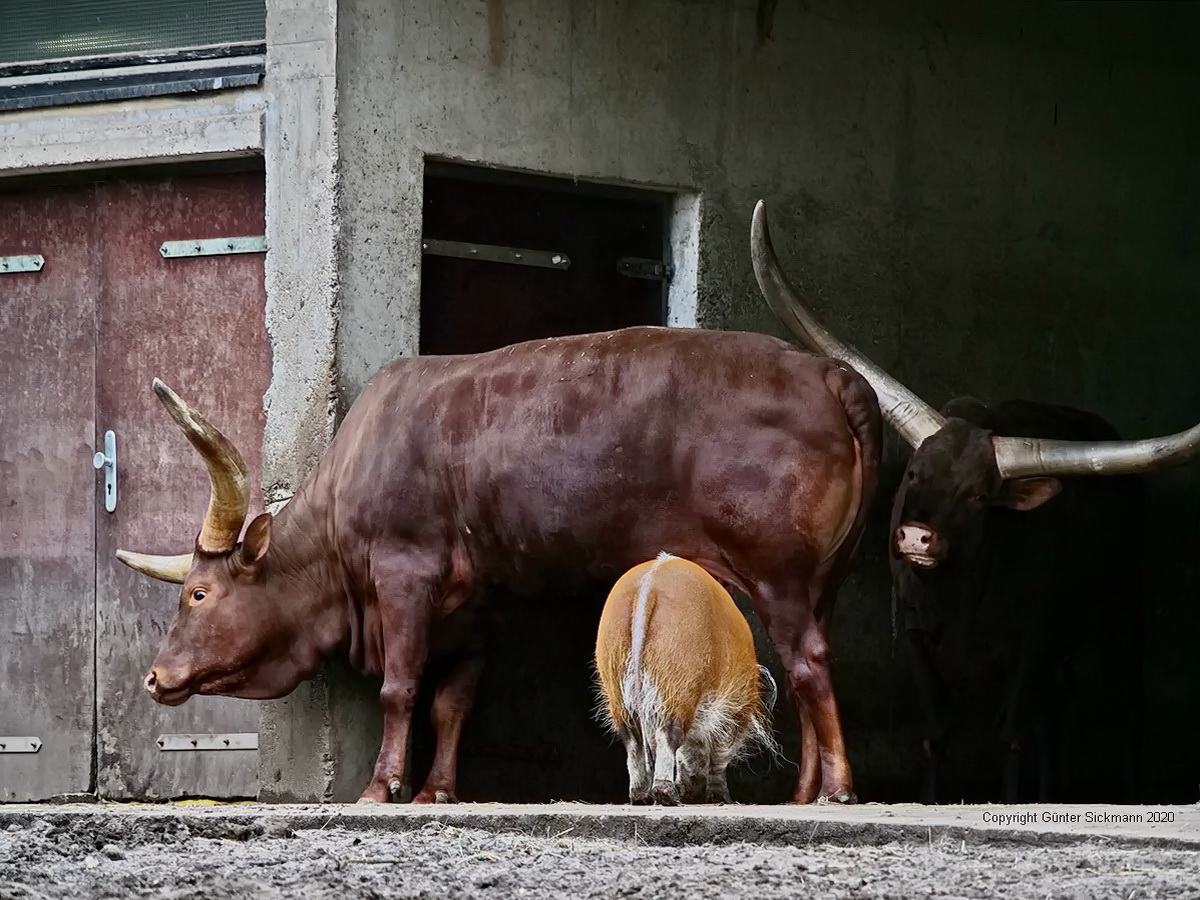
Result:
x=1016 y=571
x=1020 y=604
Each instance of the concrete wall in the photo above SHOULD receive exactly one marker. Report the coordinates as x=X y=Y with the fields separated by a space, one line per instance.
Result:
x=1005 y=203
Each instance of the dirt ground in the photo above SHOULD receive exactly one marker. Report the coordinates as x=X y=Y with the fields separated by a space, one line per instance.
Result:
x=172 y=858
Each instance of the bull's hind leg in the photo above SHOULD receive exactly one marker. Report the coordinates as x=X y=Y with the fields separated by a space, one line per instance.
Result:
x=809 y=785
x=801 y=640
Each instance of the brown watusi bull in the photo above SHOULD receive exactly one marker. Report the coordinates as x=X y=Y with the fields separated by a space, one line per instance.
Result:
x=1000 y=582
x=680 y=683
x=588 y=454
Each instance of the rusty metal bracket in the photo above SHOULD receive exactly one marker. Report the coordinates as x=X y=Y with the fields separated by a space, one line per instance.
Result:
x=245 y=740
x=11 y=265
x=547 y=259
x=213 y=247
x=20 y=744
x=636 y=267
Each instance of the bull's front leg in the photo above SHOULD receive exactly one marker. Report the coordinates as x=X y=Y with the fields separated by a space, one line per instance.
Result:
x=1017 y=708
x=451 y=705
x=405 y=612
x=932 y=700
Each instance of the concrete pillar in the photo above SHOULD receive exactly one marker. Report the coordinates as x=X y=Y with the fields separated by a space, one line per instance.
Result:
x=305 y=753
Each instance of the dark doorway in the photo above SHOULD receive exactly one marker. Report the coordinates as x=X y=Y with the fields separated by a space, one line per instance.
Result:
x=532 y=735
x=471 y=305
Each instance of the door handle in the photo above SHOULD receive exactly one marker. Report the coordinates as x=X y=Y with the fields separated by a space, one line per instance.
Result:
x=107 y=460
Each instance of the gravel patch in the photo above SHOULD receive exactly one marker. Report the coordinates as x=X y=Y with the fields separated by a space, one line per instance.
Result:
x=163 y=857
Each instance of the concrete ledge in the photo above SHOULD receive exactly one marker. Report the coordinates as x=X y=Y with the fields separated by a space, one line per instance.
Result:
x=158 y=129
x=869 y=824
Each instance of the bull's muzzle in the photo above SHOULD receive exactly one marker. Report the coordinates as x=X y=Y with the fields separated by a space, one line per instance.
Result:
x=153 y=683
x=919 y=545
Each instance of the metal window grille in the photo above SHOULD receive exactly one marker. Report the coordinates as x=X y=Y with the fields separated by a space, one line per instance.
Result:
x=35 y=30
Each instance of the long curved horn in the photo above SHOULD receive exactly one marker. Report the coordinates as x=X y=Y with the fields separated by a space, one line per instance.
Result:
x=912 y=417
x=230 y=496
x=165 y=568
x=1019 y=457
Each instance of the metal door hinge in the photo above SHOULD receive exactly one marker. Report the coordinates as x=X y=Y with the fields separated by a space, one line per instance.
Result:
x=20 y=744
x=547 y=259
x=107 y=460
x=636 y=267
x=213 y=247
x=32 y=262
x=246 y=740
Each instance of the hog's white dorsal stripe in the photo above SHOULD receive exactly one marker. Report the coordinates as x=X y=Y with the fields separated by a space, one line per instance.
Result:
x=680 y=682
x=637 y=640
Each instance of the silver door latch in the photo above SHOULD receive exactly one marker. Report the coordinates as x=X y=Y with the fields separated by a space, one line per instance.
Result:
x=107 y=460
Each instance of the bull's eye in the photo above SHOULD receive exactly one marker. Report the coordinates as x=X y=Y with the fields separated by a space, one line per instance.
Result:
x=199 y=594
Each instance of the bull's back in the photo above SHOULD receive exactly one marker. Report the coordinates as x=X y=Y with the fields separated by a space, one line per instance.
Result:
x=596 y=451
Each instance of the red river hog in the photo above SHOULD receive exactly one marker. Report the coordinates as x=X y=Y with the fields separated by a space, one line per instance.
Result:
x=680 y=682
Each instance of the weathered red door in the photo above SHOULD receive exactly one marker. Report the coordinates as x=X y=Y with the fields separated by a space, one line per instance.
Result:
x=127 y=314
x=47 y=516
x=197 y=323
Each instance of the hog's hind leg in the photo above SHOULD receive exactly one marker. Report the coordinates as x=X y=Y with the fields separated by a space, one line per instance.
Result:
x=667 y=741
x=640 y=762
x=693 y=767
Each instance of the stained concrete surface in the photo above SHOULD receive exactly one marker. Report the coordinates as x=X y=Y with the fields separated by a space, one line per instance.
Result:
x=595 y=851
x=990 y=199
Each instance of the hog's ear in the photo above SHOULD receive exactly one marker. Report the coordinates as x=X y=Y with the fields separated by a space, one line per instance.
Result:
x=257 y=540
x=1028 y=493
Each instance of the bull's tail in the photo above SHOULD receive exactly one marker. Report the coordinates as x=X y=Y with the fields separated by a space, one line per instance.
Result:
x=865 y=421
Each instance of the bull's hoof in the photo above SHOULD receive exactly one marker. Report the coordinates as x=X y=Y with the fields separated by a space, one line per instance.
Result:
x=378 y=792
x=640 y=798
x=434 y=796
x=846 y=798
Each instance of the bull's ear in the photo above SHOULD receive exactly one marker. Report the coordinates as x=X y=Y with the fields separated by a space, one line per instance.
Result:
x=1028 y=493
x=257 y=540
